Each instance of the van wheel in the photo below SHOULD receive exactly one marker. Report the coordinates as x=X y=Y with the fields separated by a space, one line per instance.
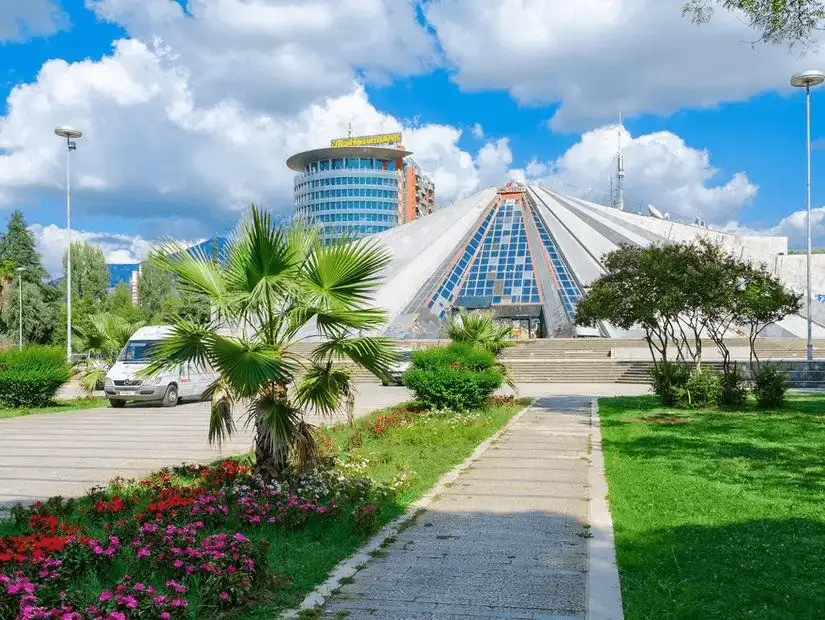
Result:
x=170 y=399
x=117 y=403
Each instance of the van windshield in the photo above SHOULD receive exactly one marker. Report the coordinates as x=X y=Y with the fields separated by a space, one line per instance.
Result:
x=136 y=352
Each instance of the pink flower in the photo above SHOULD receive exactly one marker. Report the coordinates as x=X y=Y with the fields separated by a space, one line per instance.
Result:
x=105 y=595
x=240 y=537
x=165 y=615
x=177 y=563
x=143 y=552
x=224 y=596
x=98 y=550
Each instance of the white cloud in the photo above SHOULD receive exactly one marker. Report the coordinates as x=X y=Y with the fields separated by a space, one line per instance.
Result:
x=478 y=131
x=659 y=169
x=149 y=146
x=51 y=242
x=794 y=226
x=21 y=20
x=279 y=56
x=601 y=57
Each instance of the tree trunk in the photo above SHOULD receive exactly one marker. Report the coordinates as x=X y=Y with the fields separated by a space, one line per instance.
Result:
x=271 y=454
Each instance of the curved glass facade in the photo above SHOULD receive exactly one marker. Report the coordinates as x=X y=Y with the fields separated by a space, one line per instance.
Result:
x=354 y=196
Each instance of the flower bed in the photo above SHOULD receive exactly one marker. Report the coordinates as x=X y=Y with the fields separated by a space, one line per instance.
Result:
x=214 y=542
x=146 y=542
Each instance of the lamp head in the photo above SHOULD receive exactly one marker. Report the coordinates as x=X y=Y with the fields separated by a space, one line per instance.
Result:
x=806 y=79
x=68 y=132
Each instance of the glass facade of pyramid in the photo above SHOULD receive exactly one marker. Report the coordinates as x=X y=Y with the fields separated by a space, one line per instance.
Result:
x=527 y=254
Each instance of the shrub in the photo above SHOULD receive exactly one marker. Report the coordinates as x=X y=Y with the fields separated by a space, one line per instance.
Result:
x=455 y=377
x=703 y=389
x=667 y=379
x=770 y=385
x=31 y=377
x=733 y=393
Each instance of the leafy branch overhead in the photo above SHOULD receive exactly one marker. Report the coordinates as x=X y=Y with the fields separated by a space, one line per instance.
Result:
x=790 y=22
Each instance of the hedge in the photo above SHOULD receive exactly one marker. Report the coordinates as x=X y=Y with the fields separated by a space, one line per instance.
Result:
x=31 y=377
x=458 y=376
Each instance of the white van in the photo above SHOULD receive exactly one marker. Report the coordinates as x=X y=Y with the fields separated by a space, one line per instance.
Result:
x=122 y=383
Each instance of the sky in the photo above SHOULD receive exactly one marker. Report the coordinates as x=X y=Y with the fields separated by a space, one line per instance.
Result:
x=190 y=108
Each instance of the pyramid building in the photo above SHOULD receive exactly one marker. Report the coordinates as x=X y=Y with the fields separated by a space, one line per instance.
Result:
x=528 y=254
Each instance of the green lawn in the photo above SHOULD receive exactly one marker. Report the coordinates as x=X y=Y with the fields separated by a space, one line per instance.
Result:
x=718 y=514
x=63 y=405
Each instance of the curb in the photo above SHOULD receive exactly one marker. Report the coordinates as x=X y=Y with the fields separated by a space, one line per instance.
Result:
x=604 y=592
x=351 y=565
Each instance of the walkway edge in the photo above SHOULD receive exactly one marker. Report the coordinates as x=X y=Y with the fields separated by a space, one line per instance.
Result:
x=351 y=565
x=604 y=592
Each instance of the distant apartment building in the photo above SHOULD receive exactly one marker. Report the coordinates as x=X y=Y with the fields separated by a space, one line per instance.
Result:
x=360 y=186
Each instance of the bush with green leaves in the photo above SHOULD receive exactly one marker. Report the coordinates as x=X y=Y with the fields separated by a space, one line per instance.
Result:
x=457 y=376
x=769 y=386
x=666 y=379
x=733 y=392
x=703 y=389
x=31 y=377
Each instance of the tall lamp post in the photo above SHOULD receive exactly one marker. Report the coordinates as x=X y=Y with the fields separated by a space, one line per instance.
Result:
x=70 y=134
x=807 y=79
x=20 y=271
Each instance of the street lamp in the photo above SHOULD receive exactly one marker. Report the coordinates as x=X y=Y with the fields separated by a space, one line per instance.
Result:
x=71 y=135
x=20 y=271
x=805 y=80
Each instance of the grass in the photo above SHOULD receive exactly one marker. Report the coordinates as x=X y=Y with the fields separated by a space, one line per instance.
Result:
x=58 y=407
x=718 y=514
x=426 y=450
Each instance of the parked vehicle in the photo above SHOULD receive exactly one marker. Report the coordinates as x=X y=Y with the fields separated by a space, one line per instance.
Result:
x=397 y=370
x=122 y=383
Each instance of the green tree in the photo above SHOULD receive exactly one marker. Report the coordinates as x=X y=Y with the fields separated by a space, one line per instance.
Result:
x=774 y=21
x=17 y=248
x=40 y=314
x=90 y=276
x=119 y=302
x=275 y=286
x=155 y=286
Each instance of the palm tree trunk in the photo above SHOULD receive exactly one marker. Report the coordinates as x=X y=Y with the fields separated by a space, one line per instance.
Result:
x=271 y=454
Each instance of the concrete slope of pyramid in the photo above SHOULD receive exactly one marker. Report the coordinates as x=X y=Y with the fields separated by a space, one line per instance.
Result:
x=528 y=254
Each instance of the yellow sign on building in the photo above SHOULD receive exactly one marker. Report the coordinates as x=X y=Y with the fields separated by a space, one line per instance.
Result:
x=384 y=138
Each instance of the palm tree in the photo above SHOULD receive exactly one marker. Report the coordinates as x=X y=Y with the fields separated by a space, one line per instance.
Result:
x=104 y=334
x=273 y=289
x=479 y=329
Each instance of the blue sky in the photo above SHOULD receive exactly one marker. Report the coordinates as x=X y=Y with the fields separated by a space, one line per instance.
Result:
x=190 y=115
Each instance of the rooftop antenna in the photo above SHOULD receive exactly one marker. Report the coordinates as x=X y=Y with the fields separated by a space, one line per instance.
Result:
x=349 y=129
x=619 y=204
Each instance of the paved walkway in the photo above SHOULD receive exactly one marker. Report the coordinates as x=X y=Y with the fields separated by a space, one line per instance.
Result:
x=509 y=539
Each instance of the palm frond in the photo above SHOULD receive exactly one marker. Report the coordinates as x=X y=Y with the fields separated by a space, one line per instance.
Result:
x=221 y=412
x=275 y=419
x=305 y=448
x=195 y=270
x=249 y=366
x=324 y=388
x=374 y=353
x=188 y=342
x=91 y=378
x=343 y=276
x=336 y=323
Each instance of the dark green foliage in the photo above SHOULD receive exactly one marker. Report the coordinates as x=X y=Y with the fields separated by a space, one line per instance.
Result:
x=456 y=377
x=17 y=248
x=770 y=385
x=31 y=377
x=733 y=393
x=703 y=389
x=667 y=378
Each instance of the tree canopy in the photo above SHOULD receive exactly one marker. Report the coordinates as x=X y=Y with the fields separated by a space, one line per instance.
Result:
x=790 y=22
x=679 y=293
x=17 y=248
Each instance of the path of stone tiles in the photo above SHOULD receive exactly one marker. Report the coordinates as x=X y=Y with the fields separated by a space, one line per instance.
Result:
x=507 y=540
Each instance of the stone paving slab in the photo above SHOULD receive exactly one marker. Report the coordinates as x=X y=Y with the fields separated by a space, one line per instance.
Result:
x=506 y=540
